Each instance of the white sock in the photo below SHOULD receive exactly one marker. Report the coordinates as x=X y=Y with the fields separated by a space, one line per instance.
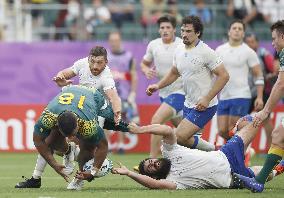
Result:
x=203 y=145
x=40 y=166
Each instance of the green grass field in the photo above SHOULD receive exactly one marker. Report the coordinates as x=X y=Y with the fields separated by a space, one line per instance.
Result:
x=13 y=166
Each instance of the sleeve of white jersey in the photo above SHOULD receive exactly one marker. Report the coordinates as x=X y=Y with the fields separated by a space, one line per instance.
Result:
x=77 y=66
x=252 y=58
x=149 y=52
x=213 y=60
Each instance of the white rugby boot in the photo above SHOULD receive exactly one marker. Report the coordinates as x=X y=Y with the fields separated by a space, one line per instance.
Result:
x=69 y=160
x=75 y=184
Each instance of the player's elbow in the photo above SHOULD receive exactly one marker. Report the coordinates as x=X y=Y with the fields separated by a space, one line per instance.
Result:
x=226 y=76
x=168 y=130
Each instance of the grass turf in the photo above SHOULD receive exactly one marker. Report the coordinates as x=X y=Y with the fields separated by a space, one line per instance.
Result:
x=13 y=166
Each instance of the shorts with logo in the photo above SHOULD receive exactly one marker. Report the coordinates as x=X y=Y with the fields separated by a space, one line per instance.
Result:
x=199 y=118
x=234 y=107
x=176 y=101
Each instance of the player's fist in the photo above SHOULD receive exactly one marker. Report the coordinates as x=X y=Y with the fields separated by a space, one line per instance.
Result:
x=151 y=89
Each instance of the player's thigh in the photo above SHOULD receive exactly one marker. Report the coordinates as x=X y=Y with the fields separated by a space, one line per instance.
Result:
x=278 y=136
x=164 y=113
x=223 y=123
x=176 y=120
x=232 y=120
x=185 y=130
x=247 y=134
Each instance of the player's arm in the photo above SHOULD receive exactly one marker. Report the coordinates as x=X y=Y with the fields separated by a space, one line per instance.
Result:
x=221 y=80
x=147 y=70
x=259 y=83
x=115 y=101
x=133 y=74
x=168 y=79
x=167 y=132
x=100 y=153
x=276 y=93
x=45 y=152
x=63 y=77
x=145 y=180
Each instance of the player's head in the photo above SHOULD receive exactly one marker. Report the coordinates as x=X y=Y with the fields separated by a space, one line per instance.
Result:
x=277 y=32
x=97 y=60
x=157 y=168
x=251 y=40
x=191 y=29
x=114 y=40
x=167 y=27
x=67 y=123
x=236 y=30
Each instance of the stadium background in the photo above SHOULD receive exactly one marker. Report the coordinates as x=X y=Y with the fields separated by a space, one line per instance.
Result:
x=31 y=55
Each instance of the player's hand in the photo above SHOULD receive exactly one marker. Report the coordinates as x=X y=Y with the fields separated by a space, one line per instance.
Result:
x=150 y=73
x=61 y=81
x=84 y=175
x=121 y=170
x=117 y=117
x=59 y=168
x=258 y=104
x=151 y=89
x=259 y=118
x=202 y=104
x=134 y=128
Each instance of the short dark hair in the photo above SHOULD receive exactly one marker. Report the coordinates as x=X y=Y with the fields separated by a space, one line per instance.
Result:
x=167 y=18
x=278 y=26
x=98 y=51
x=196 y=23
x=162 y=173
x=237 y=21
x=67 y=122
x=251 y=34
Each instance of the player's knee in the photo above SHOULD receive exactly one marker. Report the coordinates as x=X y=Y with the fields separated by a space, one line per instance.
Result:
x=181 y=138
x=223 y=133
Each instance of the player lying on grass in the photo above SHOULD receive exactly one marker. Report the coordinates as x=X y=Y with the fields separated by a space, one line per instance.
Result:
x=74 y=112
x=184 y=168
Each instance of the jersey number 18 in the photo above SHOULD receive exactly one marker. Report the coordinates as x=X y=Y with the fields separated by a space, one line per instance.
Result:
x=66 y=98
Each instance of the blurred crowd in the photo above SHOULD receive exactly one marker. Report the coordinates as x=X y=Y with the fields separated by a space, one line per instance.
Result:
x=79 y=19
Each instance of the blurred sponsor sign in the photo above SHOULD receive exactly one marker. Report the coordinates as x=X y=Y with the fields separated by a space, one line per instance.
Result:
x=17 y=122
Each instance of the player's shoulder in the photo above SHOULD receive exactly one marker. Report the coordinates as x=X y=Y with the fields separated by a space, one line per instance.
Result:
x=82 y=60
x=247 y=50
x=178 y=40
x=155 y=42
x=204 y=47
x=106 y=73
x=223 y=46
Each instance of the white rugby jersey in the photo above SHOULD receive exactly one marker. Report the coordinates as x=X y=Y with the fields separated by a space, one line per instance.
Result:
x=192 y=168
x=237 y=61
x=195 y=66
x=161 y=55
x=103 y=81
